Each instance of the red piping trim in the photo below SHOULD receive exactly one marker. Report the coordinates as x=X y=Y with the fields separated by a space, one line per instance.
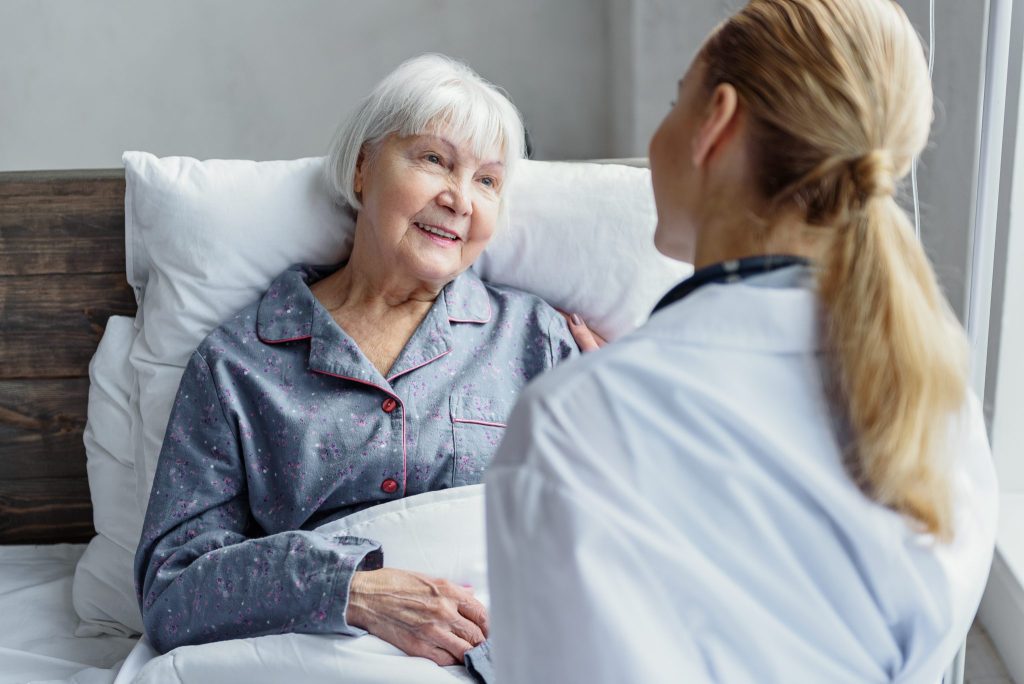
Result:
x=410 y=370
x=400 y=403
x=405 y=469
x=490 y=313
x=478 y=422
x=361 y=382
x=289 y=339
x=469 y=320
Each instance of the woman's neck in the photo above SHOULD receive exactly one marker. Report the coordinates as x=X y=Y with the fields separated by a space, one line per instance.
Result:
x=369 y=288
x=372 y=295
x=734 y=238
x=378 y=312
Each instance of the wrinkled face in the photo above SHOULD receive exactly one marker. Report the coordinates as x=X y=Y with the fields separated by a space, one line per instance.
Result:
x=673 y=169
x=430 y=205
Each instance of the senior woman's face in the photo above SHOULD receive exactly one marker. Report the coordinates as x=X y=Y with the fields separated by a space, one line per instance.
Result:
x=429 y=203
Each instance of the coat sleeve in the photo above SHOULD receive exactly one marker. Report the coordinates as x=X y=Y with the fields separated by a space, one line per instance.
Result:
x=199 y=577
x=570 y=598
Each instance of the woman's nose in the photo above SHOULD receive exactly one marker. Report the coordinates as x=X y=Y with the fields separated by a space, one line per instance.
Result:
x=456 y=198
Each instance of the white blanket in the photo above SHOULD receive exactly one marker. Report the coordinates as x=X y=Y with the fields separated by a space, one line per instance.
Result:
x=305 y=658
x=37 y=621
x=439 y=533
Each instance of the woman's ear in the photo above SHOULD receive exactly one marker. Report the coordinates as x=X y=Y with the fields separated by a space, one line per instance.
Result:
x=357 y=181
x=719 y=123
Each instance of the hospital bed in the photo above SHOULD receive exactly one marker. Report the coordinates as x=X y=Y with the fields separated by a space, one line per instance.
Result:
x=65 y=272
x=62 y=276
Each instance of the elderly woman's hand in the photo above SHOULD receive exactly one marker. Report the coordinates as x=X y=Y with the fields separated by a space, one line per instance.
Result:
x=423 y=616
x=586 y=339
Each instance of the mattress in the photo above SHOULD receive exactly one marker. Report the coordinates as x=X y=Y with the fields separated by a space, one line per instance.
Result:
x=438 y=533
x=37 y=621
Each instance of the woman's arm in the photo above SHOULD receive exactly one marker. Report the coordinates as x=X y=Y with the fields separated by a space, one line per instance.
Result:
x=199 y=575
x=424 y=616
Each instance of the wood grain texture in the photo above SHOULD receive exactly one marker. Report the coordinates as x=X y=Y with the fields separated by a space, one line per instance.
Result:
x=62 y=263
x=62 y=222
x=45 y=511
x=41 y=424
x=52 y=324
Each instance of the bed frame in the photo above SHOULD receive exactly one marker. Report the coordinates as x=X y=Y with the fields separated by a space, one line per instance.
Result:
x=62 y=275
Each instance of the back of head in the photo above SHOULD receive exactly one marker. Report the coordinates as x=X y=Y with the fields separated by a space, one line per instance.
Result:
x=840 y=103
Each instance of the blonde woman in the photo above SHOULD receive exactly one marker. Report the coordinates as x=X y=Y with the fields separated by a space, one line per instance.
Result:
x=782 y=476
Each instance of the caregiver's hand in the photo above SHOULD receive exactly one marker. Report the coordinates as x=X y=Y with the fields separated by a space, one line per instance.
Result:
x=586 y=339
x=423 y=616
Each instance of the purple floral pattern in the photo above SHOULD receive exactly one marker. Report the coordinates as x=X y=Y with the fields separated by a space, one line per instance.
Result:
x=282 y=424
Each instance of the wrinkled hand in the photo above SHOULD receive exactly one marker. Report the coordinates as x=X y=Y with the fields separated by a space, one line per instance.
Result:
x=586 y=339
x=424 y=616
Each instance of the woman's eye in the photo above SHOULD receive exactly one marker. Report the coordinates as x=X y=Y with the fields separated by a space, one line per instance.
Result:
x=433 y=158
x=488 y=181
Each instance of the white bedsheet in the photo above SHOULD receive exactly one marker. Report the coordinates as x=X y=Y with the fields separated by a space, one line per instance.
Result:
x=439 y=533
x=37 y=621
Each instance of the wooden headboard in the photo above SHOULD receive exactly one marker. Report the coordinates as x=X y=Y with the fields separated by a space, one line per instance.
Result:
x=62 y=266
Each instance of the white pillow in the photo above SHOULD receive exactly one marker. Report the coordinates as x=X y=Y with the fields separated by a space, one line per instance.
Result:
x=205 y=238
x=103 y=590
x=440 y=533
x=581 y=236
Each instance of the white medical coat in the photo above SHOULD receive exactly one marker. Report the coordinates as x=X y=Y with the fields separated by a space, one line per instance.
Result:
x=673 y=508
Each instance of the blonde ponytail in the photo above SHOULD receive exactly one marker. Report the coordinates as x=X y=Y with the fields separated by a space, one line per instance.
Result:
x=899 y=355
x=840 y=102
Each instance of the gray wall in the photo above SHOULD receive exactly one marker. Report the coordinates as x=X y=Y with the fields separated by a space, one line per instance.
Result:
x=1005 y=378
x=654 y=40
x=948 y=171
x=653 y=43
x=265 y=79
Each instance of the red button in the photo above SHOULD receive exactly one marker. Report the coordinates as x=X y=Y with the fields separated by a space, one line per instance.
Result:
x=389 y=405
x=389 y=486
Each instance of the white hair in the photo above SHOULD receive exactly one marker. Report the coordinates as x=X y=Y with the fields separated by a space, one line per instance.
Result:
x=422 y=93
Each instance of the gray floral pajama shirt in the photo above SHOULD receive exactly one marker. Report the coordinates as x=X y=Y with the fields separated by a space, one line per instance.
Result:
x=281 y=424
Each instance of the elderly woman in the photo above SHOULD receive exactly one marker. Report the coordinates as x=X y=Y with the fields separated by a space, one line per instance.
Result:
x=782 y=476
x=390 y=376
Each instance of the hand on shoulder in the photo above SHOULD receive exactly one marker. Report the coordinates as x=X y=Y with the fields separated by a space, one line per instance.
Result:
x=586 y=339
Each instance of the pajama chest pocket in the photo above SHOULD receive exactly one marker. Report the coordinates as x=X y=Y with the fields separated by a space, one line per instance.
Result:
x=478 y=425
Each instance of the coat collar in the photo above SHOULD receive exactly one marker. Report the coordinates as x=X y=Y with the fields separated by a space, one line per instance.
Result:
x=773 y=313
x=289 y=312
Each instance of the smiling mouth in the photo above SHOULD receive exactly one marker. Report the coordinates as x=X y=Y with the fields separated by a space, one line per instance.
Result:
x=434 y=230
